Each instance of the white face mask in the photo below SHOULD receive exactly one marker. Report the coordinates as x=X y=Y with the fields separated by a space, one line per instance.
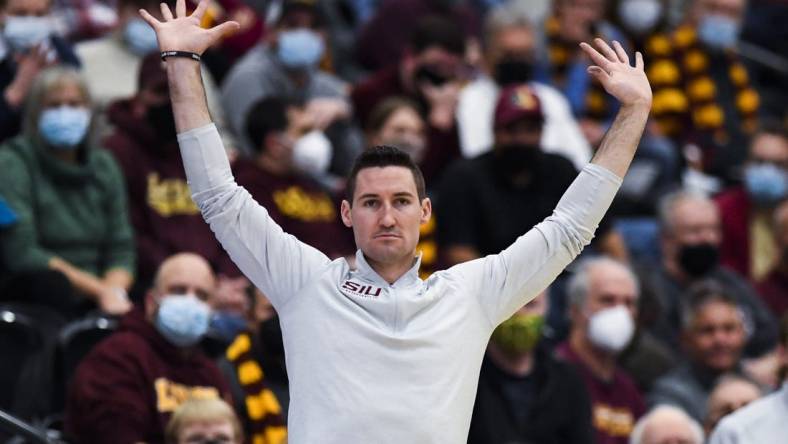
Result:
x=25 y=32
x=312 y=153
x=640 y=16
x=611 y=329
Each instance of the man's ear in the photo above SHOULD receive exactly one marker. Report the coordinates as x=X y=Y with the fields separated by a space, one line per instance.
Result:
x=426 y=210
x=150 y=305
x=344 y=210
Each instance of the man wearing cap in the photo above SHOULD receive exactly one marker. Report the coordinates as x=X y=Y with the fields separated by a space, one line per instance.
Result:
x=374 y=353
x=287 y=65
x=486 y=201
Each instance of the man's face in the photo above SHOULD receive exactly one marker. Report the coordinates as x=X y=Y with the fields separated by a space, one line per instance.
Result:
x=693 y=222
x=576 y=18
x=184 y=275
x=513 y=43
x=386 y=214
x=28 y=8
x=523 y=132
x=769 y=148
x=608 y=286
x=716 y=336
x=732 y=9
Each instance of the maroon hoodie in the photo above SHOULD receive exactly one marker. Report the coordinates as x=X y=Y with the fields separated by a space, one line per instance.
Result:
x=125 y=390
x=165 y=219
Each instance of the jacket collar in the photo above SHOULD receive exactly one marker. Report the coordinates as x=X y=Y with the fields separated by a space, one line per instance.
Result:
x=366 y=271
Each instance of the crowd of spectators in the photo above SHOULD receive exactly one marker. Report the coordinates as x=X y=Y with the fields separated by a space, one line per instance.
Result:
x=667 y=329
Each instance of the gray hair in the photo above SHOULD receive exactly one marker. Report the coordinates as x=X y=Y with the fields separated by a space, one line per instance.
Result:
x=669 y=202
x=506 y=15
x=703 y=293
x=577 y=288
x=640 y=427
x=43 y=85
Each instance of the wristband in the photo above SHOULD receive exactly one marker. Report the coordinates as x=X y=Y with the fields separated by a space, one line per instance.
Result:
x=187 y=54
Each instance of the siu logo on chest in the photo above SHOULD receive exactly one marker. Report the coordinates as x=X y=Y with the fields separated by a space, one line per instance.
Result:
x=352 y=288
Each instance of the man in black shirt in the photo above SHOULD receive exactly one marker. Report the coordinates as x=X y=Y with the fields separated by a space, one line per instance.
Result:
x=525 y=395
x=486 y=202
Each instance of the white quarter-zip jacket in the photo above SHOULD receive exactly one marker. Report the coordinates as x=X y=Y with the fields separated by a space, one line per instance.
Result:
x=372 y=362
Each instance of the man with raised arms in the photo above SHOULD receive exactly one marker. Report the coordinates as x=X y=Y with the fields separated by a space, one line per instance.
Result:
x=375 y=354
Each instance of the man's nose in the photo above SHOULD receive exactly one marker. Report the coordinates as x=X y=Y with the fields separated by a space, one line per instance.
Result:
x=387 y=217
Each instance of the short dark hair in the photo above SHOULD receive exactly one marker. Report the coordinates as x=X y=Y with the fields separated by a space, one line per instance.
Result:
x=701 y=294
x=437 y=31
x=383 y=156
x=265 y=116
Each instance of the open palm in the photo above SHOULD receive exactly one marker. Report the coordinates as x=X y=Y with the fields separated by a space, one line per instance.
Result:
x=183 y=32
x=612 y=68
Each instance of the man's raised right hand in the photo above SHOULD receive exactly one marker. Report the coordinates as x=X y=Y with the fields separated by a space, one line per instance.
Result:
x=183 y=32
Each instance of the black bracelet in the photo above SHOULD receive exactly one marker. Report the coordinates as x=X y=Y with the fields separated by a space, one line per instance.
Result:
x=187 y=54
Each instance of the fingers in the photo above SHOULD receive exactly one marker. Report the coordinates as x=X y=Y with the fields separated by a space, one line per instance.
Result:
x=622 y=55
x=599 y=74
x=201 y=7
x=606 y=50
x=595 y=56
x=639 y=61
x=180 y=8
x=224 y=28
x=149 y=18
x=165 y=12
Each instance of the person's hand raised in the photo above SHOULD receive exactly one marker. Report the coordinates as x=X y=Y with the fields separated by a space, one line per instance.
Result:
x=183 y=32
x=613 y=70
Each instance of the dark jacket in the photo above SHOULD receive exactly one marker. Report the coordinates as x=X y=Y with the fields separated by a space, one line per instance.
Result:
x=559 y=410
x=165 y=219
x=125 y=390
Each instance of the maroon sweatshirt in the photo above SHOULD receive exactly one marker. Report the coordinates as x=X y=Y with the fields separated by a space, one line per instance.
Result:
x=165 y=219
x=125 y=390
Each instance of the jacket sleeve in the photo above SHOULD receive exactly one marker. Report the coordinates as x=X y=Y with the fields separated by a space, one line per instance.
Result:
x=506 y=281
x=20 y=247
x=119 y=244
x=277 y=263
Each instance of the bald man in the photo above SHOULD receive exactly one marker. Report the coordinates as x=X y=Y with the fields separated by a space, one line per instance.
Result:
x=667 y=425
x=125 y=390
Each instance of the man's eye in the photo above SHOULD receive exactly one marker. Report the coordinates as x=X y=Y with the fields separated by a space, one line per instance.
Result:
x=402 y=201
x=370 y=203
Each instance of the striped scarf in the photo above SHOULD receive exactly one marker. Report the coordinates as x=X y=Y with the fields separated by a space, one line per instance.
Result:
x=262 y=407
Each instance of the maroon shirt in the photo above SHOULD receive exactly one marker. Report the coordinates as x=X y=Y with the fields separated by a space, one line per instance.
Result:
x=126 y=389
x=300 y=206
x=774 y=292
x=165 y=219
x=615 y=405
x=734 y=206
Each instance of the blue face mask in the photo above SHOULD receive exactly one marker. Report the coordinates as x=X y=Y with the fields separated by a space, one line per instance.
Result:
x=140 y=37
x=718 y=32
x=24 y=32
x=766 y=183
x=182 y=319
x=64 y=127
x=300 y=48
x=228 y=324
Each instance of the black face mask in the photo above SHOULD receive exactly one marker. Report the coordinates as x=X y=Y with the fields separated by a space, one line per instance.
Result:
x=162 y=120
x=699 y=259
x=513 y=160
x=428 y=74
x=513 y=71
